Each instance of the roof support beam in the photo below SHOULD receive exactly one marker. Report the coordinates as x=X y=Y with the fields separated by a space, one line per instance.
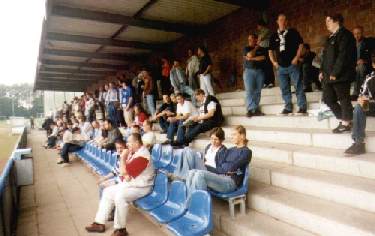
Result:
x=76 y=71
x=72 y=53
x=83 y=64
x=59 y=10
x=258 y=5
x=101 y=41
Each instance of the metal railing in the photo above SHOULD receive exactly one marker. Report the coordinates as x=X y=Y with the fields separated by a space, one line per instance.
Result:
x=9 y=192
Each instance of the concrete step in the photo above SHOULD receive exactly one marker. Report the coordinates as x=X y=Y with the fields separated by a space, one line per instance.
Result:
x=275 y=91
x=306 y=137
x=268 y=109
x=291 y=122
x=332 y=160
x=310 y=213
x=253 y=223
x=352 y=191
x=240 y=100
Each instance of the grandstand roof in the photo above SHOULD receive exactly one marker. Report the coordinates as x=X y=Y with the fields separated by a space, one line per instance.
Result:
x=85 y=40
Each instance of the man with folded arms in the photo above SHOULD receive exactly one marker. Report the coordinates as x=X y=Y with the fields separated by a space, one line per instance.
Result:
x=137 y=182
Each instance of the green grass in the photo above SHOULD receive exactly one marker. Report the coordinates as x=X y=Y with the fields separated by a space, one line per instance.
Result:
x=7 y=142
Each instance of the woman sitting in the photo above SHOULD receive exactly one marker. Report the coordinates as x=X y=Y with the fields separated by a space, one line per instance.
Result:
x=140 y=114
x=229 y=168
x=192 y=159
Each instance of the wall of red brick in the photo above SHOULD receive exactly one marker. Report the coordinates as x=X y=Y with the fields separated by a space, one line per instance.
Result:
x=226 y=38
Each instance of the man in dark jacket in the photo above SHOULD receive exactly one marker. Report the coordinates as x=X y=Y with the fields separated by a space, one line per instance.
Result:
x=364 y=107
x=338 y=70
x=210 y=116
x=364 y=48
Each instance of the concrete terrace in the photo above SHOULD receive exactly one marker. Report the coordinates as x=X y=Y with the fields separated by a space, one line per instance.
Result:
x=63 y=201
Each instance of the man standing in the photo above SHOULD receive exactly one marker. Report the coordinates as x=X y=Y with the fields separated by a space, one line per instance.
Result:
x=204 y=73
x=285 y=49
x=253 y=74
x=135 y=184
x=310 y=74
x=112 y=100
x=364 y=48
x=338 y=71
x=192 y=68
x=126 y=99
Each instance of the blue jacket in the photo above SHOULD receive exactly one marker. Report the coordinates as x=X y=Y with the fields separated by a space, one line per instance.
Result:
x=233 y=161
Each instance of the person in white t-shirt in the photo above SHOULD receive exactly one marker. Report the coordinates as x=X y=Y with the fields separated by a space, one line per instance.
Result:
x=184 y=110
x=217 y=136
x=148 y=137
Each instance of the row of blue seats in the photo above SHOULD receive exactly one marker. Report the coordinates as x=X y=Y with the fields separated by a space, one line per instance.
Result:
x=100 y=160
x=169 y=204
x=165 y=158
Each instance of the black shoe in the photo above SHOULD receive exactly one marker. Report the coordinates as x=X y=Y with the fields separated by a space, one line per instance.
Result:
x=307 y=90
x=258 y=113
x=285 y=112
x=301 y=112
x=356 y=149
x=178 y=145
x=60 y=162
x=342 y=129
x=271 y=85
x=167 y=142
x=249 y=114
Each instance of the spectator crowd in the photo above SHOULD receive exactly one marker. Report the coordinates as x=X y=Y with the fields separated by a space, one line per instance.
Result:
x=120 y=115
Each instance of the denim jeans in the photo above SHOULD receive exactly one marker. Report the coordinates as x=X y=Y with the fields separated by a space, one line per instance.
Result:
x=150 y=104
x=172 y=128
x=67 y=148
x=292 y=72
x=204 y=179
x=206 y=84
x=112 y=113
x=359 y=124
x=197 y=128
x=163 y=124
x=253 y=80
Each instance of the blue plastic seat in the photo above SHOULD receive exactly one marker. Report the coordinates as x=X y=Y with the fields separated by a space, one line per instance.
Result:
x=174 y=207
x=176 y=157
x=157 y=197
x=156 y=153
x=113 y=157
x=238 y=196
x=197 y=220
x=165 y=158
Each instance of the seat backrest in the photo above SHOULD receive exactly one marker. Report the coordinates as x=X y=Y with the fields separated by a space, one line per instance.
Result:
x=103 y=155
x=156 y=152
x=166 y=155
x=113 y=158
x=176 y=157
x=178 y=193
x=161 y=186
x=200 y=206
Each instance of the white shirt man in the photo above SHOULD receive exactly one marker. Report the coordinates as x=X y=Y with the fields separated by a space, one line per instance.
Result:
x=132 y=187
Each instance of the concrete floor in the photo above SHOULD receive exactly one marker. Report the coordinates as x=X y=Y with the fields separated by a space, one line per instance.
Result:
x=63 y=201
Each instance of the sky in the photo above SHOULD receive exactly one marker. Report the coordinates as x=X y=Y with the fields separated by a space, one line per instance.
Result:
x=20 y=28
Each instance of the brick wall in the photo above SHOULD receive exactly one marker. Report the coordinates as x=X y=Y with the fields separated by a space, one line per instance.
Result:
x=226 y=38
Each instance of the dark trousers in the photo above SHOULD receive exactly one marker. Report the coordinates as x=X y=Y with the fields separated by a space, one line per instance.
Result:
x=51 y=141
x=310 y=75
x=163 y=124
x=112 y=113
x=67 y=148
x=166 y=87
x=269 y=75
x=198 y=128
x=172 y=128
x=337 y=98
